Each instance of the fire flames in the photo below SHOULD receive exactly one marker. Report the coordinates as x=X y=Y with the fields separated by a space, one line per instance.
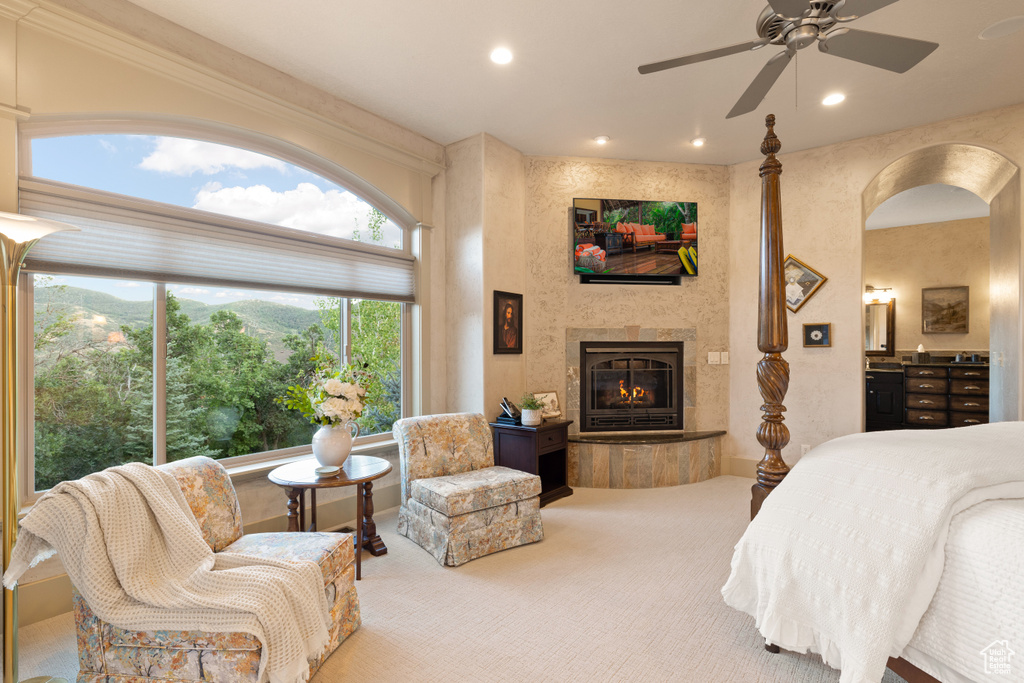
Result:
x=633 y=395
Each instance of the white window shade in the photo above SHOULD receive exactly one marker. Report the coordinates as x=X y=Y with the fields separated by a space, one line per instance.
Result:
x=144 y=240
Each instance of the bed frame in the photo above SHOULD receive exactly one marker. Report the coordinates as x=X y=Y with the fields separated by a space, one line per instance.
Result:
x=772 y=340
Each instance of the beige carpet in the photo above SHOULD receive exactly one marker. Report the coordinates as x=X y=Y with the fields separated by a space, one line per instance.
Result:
x=624 y=587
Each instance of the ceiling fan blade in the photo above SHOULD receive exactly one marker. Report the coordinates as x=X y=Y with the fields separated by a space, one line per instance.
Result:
x=858 y=8
x=764 y=81
x=701 y=56
x=789 y=9
x=894 y=53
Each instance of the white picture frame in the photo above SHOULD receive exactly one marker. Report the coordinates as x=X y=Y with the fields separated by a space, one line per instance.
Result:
x=552 y=408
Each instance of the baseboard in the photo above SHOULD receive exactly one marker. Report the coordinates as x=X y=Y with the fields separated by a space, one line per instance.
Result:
x=743 y=467
x=51 y=597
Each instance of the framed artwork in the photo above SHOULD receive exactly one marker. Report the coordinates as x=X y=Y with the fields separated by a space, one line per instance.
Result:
x=818 y=334
x=802 y=282
x=508 y=322
x=550 y=401
x=945 y=310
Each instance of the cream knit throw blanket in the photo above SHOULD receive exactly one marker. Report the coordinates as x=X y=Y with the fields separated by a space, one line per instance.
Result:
x=845 y=555
x=133 y=549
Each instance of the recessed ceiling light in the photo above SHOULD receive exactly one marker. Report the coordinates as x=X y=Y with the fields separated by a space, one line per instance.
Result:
x=698 y=142
x=1002 y=28
x=501 y=55
x=834 y=98
x=601 y=139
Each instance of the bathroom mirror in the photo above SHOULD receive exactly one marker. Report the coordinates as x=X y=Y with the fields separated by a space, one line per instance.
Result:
x=880 y=329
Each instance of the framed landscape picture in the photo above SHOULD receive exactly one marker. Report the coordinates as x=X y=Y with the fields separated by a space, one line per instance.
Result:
x=802 y=282
x=818 y=334
x=508 y=322
x=945 y=310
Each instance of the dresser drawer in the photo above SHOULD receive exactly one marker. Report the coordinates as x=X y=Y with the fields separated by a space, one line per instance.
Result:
x=927 y=385
x=967 y=419
x=927 y=401
x=969 y=387
x=551 y=440
x=924 y=371
x=929 y=418
x=969 y=404
x=968 y=373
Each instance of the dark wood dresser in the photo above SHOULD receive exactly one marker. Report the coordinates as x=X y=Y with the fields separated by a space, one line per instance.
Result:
x=884 y=396
x=946 y=395
x=542 y=450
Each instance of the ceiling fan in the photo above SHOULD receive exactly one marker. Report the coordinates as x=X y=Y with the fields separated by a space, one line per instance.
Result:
x=796 y=24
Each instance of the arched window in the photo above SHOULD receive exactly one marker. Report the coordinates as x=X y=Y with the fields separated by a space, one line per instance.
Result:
x=206 y=279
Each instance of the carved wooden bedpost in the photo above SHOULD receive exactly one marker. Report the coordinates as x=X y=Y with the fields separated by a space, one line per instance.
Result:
x=772 y=331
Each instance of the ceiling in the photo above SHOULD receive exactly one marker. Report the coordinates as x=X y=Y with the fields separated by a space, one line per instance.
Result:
x=425 y=65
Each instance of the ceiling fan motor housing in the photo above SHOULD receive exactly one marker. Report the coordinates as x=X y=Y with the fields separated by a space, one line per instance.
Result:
x=796 y=34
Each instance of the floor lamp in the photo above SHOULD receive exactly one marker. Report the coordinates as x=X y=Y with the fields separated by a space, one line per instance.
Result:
x=17 y=235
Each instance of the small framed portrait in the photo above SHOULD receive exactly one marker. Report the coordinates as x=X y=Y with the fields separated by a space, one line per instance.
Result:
x=508 y=322
x=550 y=401
x=802 y=282
x=818 y=334
x=945 y=310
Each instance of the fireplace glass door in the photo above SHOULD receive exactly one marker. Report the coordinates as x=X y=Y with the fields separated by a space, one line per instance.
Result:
x=631 y=388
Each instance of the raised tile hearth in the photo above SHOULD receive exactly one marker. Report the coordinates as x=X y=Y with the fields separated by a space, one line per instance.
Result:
x=644 y=461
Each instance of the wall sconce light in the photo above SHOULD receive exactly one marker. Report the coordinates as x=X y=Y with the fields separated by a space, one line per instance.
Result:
x=877 y=295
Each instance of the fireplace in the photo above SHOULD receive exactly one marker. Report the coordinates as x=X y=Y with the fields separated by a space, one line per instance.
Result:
x=631 y=386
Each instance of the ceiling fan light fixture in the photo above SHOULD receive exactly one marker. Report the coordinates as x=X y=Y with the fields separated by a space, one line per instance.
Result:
x=602 y=139
x=698 y=142
x=501 y=55
x=833 y=99
x=1003 y=28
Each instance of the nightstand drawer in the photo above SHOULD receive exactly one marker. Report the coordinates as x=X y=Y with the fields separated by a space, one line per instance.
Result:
x=967 y=419
x=969 y=404
x=927 y=401
x=551 y=440
x=929 y=418
x=969 y=387
x=927 y=385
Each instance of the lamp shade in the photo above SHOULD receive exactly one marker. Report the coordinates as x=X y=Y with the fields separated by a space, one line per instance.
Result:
x=21 y=228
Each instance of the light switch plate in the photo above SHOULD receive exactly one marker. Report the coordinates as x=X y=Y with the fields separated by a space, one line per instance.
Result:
x=714 y=358
x=725 y=357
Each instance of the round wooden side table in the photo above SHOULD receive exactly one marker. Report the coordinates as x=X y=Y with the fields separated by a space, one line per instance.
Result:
x=359 y=471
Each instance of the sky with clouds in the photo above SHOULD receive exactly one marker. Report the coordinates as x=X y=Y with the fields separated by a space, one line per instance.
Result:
x=210 y=177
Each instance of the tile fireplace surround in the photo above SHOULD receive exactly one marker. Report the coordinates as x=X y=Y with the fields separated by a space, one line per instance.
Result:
x=640 y=460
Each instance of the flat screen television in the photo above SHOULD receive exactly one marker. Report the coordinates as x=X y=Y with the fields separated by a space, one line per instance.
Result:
x=632 y=241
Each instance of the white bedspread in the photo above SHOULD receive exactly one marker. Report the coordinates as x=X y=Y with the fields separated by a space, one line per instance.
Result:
x=845 y=555
x=132 y=547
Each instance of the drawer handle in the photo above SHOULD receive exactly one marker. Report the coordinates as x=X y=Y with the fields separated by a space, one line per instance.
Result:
x=869 y=376
x=971 y=422
x=972 y=374
x=926 y=386
x=971 y=388
x=926 y=417
x=922 y=402
x=926 y=372
x=972 y=405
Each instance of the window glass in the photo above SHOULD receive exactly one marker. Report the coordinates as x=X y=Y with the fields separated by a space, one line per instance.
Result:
x=377 y=344
x=213 y=177
x=93 y=375
x=231 y=353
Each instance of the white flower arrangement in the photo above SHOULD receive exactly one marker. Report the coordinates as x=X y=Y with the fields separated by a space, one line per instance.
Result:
x=330 y=399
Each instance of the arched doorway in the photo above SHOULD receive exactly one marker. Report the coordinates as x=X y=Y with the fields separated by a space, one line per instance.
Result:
x=996 y=180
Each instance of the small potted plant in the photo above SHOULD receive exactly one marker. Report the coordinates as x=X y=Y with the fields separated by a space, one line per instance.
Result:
x=533 y=410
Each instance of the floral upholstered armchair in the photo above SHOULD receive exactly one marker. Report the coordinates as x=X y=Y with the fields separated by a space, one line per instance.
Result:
x=108 y=654
x=455 y=503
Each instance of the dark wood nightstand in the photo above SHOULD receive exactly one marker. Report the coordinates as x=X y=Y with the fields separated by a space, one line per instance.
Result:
x=541 y=450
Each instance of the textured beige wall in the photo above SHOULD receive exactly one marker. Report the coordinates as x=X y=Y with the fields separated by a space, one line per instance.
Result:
x=504 y=256
x=556 y=300
x=464 y=281
x=823 y=223
x=948 y=254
